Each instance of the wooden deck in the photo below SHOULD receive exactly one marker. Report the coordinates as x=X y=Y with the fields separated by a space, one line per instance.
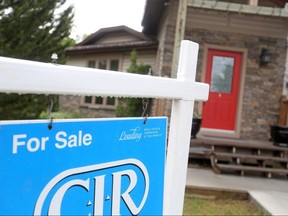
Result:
x=242 y=156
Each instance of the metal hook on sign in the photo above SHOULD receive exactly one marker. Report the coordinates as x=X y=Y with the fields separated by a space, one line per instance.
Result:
x=145 y=102
x=50 y=107
x=150 y=71
x=145 y=119
x=50 y=123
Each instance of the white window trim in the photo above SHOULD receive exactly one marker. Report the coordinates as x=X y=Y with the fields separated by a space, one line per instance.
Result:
x=104 y=105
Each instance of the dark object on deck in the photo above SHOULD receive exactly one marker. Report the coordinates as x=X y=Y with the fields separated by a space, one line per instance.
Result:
x=279 y=135
x=196 y=125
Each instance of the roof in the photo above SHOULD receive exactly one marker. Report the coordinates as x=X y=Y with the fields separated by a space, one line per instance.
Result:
x=94 y=42
x=152 y=14
x=104 y=31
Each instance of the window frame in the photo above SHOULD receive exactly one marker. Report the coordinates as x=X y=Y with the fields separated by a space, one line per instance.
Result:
x=104 y=104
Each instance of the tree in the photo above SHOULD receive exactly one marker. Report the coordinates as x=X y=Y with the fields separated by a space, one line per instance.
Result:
x=32 y=30
x=132 y=107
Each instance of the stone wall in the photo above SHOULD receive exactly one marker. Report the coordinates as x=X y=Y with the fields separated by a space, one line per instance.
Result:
x=262 y=85
x=166 y=36
x=71 y=104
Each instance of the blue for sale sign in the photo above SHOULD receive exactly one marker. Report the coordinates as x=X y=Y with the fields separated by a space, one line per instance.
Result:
x=82 y=167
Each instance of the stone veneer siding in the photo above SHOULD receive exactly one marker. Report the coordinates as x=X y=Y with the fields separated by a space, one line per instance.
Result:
x=166 y=49
x=71 y=104
x=263 y=84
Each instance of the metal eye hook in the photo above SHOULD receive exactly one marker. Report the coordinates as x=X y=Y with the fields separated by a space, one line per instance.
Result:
x=145 y=102
x=145 y=119
x=50 y=107
x=150 y=71
x=50 y=123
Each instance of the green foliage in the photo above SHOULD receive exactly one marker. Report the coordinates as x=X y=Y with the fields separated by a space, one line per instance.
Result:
x=14 y=106
x=60 y=115
x=32 y=30
x=132 y=107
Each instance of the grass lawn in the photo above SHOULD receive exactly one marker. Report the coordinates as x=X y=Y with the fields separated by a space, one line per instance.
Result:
x=200 y=206
x=203 y=201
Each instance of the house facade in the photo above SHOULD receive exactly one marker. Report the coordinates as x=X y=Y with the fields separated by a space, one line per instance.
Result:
x=242 y=55
x=108 y=49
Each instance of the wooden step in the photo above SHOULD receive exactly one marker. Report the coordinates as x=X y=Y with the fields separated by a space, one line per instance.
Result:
x=247 y=156
x=250 y=156
x=251 y=168
x=248 y=144
x=242 y=169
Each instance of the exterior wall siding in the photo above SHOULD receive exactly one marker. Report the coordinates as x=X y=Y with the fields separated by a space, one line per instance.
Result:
x=145 y=57
x=166 y=36
x=116 y=38
x=73 y=103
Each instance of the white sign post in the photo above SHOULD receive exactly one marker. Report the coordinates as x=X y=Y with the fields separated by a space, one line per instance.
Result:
x=180 y=133
x=21 y=76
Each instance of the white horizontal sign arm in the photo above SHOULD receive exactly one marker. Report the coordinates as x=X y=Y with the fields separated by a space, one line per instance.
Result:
x=22 y=76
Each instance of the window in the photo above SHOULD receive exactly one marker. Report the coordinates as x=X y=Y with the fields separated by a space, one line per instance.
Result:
x=222 y=74
x=99 y=100
x=88 y=99
x=102 y=102
x=91 y=64
x=110 y=101
x=102 y=64
x=114 y=65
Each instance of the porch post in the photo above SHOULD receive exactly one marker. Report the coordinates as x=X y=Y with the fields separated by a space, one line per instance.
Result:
x=179 y=34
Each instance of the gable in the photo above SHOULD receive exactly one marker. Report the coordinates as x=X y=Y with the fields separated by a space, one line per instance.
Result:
x=117 y=37
x=121 y=33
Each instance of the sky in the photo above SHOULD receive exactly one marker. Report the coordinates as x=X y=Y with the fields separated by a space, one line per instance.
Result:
x=91 y=15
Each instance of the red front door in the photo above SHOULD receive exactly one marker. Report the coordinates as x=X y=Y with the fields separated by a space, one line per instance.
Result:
x=223 y=75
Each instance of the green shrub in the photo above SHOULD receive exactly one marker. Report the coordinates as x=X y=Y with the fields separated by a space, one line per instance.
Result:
x=60 y=115
x=132 y=107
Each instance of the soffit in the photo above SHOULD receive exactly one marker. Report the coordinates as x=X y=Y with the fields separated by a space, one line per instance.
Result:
x=112 y=47
x=239 y=8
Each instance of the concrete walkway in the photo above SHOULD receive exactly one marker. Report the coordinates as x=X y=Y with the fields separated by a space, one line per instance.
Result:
x=271 y=194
